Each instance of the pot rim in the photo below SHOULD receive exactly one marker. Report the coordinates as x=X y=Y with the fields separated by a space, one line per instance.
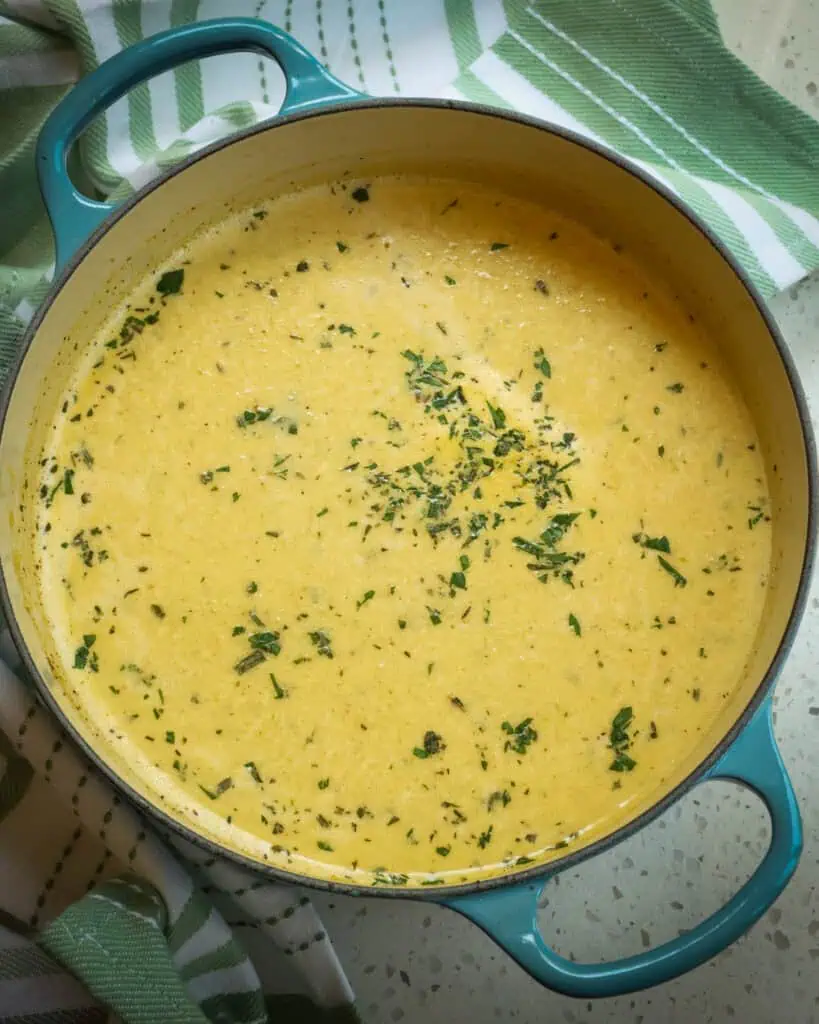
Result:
x=156 y=815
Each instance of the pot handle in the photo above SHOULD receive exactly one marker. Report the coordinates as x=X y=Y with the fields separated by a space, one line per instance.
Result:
x=75 y=216
x=509 y=915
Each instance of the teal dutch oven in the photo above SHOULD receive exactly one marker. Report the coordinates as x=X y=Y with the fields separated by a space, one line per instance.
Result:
x=324 y=129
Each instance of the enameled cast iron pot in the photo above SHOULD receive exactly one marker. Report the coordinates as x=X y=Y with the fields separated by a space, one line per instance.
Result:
x=325 y=129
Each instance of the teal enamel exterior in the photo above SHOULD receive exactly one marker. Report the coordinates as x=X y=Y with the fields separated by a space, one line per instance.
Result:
x=75 y=216
x=507 y=913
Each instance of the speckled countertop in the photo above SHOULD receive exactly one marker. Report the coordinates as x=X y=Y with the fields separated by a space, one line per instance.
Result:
x=412 y=962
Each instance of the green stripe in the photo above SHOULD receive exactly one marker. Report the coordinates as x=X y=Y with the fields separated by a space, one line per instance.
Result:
x=187 y=79
x=94 y=141
x=702 y=12
x=477 y=91
x=706 y=207
x=20 y=124
x=24 y=40
x=238 y=115
x=123 y=959
x=463 y=32
x=702 y=98
x=26 y=961
x=788 y=233
x=191 y=920
x=621 y=138
x=320 y=29
x=228 y=955
x=354 y=45
x=128 y=23
x=177 y=151
x=385 y=38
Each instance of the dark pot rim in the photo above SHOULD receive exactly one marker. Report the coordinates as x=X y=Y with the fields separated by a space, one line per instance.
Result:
x=157 y=815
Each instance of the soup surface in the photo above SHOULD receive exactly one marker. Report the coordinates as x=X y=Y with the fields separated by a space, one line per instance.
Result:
x=403 y=532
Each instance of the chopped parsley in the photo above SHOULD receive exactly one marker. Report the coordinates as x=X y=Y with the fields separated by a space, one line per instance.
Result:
x=84 y=657
x=542 y=363
x=322 y=642
x=652 y=543
x=267 y=641
x=221 y=787
x=679 y=579
x=433 y=744
x=620 y=741
x=574 y=622
x=520 y=735
x=170 y=283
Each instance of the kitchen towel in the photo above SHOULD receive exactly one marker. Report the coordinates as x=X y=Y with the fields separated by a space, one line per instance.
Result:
x=154 y=928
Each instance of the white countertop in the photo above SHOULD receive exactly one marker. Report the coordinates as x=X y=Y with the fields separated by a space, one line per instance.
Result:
x=413 y=962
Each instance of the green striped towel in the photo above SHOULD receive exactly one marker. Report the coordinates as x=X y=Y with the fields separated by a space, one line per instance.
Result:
x=648 y=78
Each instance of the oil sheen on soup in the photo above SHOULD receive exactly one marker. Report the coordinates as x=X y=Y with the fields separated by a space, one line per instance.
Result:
x=402 y=531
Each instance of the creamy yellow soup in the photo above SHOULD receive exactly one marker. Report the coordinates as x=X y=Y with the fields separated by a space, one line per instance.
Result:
x=403 y=532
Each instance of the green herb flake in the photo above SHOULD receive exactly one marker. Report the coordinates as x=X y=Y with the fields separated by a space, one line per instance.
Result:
x=620 y=741
x=82 y=656
x=449 y=280
x=457 y=581
x=279 y=693
x=485 y=838
x=368 y=596
x=170 y=283
x=221 y=787
x=170 y=736
x=679 y=579
x=498 y=416
x=158 y=611
x=574 y=622
x=497 y=246
x=652 y=543
x=542 y=363
x=253 y=771
x=324 y=845
x=342 y=246
x=434 y=616
x=322 y=642
x=521 y=735
x=361 y=194
x=433 y=744
x=676 y=388
x=267 y=641
x=323 y=783
x=248 y=662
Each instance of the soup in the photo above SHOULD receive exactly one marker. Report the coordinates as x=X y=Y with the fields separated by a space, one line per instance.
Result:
x=402 y=532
